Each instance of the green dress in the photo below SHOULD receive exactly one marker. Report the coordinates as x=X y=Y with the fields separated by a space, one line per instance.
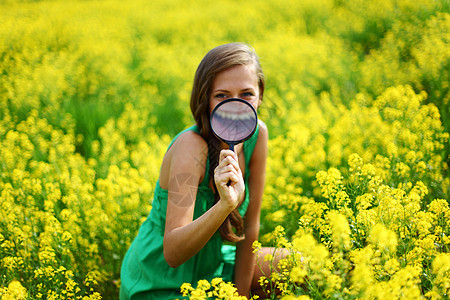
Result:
x=145 y=273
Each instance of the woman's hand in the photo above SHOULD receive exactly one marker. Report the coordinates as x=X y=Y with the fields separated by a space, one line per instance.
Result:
x=228 y=179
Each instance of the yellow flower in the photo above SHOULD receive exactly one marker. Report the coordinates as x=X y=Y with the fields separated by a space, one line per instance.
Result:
x=441 y=266
x=383 y=238
x=15 y=291
x=268 y=257
x=439 y=207
x=186 y=288
x=298 y=274
x=391 y=266
x=364 y=201
x=203 y=284
x=334 y=283
x=256 y=246
x=290 y=297
x=355 y=163
x=216 y=281
x=330 y=182
x=340 y=229
x=362 y=275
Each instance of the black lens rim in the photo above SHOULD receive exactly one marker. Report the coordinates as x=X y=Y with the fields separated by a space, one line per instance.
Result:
x=234 y=100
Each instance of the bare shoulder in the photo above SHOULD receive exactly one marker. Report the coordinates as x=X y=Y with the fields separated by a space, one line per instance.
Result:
x=188 y=153
x=190 y=149
x=260 y=152
x=263 y=130
x=190 y=139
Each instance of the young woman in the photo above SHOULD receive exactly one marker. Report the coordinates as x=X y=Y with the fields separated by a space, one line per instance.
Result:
x=194 y=209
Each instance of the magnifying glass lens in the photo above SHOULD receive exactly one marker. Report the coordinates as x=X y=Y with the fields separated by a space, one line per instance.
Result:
x=234 y=121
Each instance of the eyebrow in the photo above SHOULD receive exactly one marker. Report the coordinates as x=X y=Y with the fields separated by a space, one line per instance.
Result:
x=227 y=91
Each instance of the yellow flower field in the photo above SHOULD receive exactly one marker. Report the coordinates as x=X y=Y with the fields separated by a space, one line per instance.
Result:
x=357 y=106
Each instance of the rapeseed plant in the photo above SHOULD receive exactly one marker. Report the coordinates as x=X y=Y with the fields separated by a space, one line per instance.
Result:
x=217 y=289
x=385 y=246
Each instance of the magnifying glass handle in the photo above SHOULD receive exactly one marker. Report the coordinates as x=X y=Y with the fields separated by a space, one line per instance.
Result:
x=232 y=149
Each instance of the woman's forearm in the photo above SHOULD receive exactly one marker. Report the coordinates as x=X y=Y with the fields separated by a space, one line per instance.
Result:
x=182 y=243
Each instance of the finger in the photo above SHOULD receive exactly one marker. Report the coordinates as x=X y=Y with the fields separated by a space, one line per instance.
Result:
x=226 y=171
x=233 y=179
x=229 y=160
x=229 y=169
x=226 y=153
x=225 y=178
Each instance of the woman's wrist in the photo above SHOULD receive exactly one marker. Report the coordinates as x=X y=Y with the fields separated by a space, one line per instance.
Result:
x=225 y=206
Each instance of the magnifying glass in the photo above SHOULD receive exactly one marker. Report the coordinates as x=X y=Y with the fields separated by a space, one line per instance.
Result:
x=233 y=121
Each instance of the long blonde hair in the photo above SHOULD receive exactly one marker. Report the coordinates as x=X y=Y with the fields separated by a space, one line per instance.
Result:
x=216 y=60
